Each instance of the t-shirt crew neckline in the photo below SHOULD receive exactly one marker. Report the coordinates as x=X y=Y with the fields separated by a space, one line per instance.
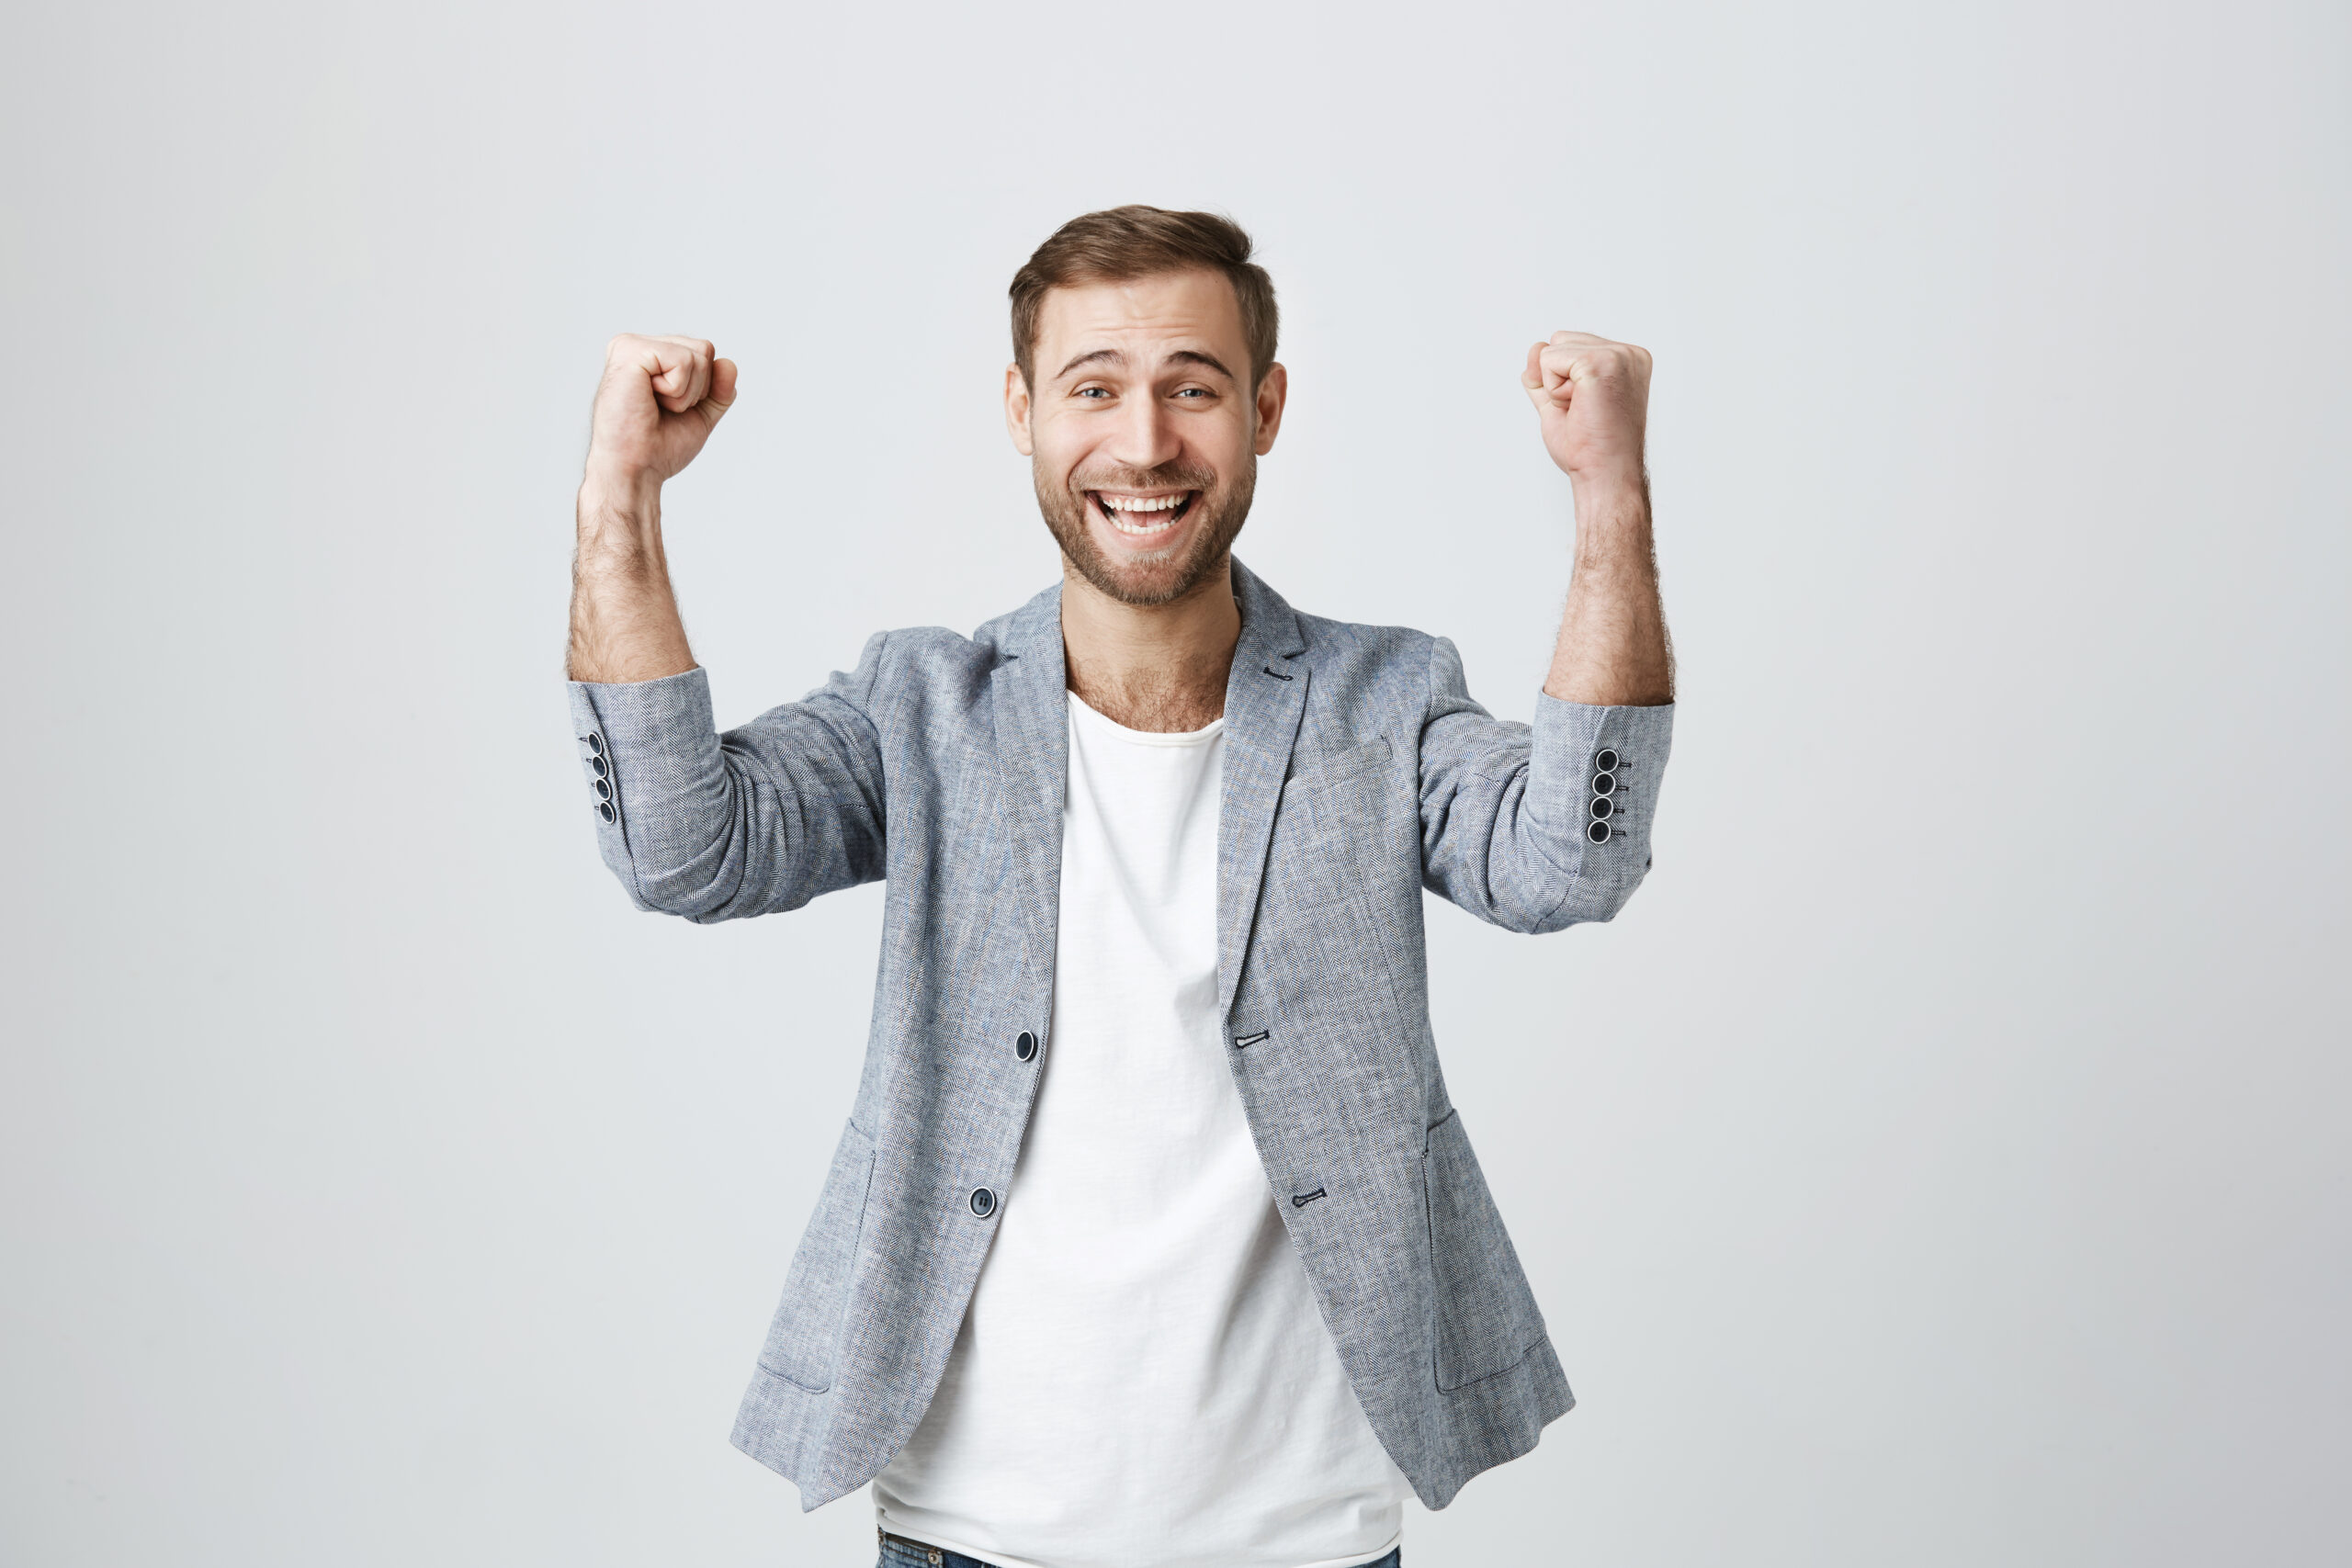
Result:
x=1112 y=726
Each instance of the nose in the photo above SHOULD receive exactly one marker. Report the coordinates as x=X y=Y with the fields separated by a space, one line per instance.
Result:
x=1146 y=435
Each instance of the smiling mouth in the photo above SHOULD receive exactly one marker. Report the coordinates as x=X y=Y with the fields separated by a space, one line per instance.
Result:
x=1143 y=516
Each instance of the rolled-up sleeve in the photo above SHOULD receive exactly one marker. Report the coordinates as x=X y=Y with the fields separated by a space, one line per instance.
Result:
x=1535 y=827
x=761 y=819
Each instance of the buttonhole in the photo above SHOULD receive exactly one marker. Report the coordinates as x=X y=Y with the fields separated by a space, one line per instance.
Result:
x=1246 y=1040
x=1301 y=1200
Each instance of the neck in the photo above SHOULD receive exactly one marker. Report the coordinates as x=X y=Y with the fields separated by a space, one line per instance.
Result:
x=1151 y=667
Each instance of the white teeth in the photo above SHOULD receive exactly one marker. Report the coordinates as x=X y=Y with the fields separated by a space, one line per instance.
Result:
x=1112 y=505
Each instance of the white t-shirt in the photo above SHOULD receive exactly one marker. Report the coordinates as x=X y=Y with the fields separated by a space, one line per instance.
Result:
x=1143 y=1379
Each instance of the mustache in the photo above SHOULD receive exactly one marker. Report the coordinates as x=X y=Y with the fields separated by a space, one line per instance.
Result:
x=1166 y=476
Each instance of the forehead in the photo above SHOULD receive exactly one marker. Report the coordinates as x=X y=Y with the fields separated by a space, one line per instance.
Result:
x=1144 y=317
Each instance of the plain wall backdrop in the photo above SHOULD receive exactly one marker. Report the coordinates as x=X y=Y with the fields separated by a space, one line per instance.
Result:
x=1941 y=1161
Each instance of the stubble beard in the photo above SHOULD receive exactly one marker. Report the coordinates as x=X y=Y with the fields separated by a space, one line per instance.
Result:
x=1160 y=577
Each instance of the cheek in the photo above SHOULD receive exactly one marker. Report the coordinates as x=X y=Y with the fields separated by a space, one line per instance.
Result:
x=1054 y=454
x=1227 y=447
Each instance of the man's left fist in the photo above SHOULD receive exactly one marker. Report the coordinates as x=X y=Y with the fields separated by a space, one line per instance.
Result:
x=1593 y=396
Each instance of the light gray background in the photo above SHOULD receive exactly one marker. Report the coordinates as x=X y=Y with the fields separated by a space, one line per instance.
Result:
x=1941 y=1162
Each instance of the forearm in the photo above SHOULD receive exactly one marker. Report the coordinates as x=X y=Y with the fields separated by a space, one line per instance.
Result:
x=625 y=624
x=1613 y=650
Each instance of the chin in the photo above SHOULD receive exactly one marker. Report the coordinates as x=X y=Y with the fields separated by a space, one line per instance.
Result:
x=1139 y=565
x=1139 y=582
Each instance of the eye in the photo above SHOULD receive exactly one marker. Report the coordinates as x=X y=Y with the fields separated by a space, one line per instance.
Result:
x=1097 y=392
x=1202 y=393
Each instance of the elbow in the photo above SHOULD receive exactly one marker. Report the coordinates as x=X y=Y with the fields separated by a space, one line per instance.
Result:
x=696 y=869
x=706 y=887
x=1587 y=885
x=1590 y=897
x=695 y=858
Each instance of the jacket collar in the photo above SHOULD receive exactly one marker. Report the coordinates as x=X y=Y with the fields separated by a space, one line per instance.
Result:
x=1264 y=698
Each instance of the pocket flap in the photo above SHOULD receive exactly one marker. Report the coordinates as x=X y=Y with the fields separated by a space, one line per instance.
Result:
x=1486 y=1319
x=805 y=1339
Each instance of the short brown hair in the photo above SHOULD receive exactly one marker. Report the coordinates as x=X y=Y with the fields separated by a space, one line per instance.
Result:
x=1127 y=242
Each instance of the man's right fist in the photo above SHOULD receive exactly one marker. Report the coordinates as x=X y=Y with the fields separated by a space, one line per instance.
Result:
x=656 y=406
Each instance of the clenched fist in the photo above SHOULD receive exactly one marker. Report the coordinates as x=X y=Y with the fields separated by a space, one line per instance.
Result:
x=658 y=400
x=1593 y=396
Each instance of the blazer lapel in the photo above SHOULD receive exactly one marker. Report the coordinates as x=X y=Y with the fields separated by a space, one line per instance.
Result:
x=1264 y=698
x=1033 y=767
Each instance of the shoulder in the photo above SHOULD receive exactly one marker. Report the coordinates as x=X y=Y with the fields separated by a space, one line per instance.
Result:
x=931 y=647
x=930 y=664
x=919 y=662
x=1365 y=680
x=1354 y=656
x=1355 y=642
x=1334 y=649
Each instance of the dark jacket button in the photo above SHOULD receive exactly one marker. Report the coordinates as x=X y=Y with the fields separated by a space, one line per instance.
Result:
x=604 y=809
x=1025 y=1046
x=1597 y=832
x=983 y=1202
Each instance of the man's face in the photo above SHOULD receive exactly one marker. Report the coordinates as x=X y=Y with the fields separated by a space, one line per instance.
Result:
x=1143 y=433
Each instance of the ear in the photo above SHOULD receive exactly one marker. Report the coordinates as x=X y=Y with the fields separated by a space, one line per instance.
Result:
x=1273 y=392
x=1016 y=411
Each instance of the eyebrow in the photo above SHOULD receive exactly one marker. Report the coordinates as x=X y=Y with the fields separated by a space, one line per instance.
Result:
x=1180 y=357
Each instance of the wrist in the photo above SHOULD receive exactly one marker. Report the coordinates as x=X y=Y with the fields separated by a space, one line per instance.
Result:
x=616 y=516
x=1617 y=487
x=616 y=493
x=1615 y=502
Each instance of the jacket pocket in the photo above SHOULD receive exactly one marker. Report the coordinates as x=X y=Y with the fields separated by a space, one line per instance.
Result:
x=805 y=1339
x=1327 y=824
x=1486 y=1319
x=1340 y=766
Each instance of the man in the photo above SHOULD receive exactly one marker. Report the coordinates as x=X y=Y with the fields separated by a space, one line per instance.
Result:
x=1151 y=1038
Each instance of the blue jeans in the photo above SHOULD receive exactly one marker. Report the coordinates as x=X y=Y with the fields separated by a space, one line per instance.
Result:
x=900 y=1552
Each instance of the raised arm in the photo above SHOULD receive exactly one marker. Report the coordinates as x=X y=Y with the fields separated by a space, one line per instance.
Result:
x=1536 y=828
x=1593 y=396
x=657 y=404
x=695 y=823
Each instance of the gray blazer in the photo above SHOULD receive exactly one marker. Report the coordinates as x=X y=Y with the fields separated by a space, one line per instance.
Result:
x=1357 y=773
